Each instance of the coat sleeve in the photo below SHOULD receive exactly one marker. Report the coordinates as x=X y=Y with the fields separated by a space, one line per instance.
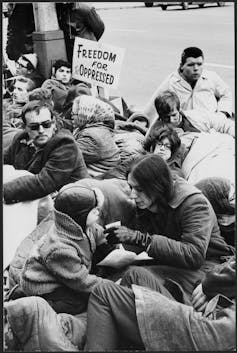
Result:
x=55 y=173
x=7 y=155
x=223 y=95
x=95 y=23
x=66 y=266
x=221 y=123
x=90 y=148
x=190 y=250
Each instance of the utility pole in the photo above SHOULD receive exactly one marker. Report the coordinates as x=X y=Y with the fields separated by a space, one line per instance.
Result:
x=48 y=39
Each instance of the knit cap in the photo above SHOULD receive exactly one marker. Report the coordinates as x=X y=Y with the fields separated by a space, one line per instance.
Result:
x=31 y=58
x=92 y=110
x=76 y=202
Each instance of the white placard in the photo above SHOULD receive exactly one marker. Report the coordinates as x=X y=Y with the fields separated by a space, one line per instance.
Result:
x=97 y=63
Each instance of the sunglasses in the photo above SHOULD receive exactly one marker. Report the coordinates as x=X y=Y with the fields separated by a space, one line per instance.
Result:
x=20 y=65
x=45 y=124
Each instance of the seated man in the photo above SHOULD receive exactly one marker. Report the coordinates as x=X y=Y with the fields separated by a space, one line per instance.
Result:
x=20 y=97
x=53 y=157
x=168 y=107
x=59 y=83
x=195 y=87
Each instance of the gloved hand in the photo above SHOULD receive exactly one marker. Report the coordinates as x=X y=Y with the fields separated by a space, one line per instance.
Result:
x=122 y=234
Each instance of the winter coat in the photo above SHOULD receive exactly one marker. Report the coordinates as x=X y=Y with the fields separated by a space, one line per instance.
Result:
x=190 y=234
x=129 y=137
x=39 y=328
x=8 y=133
x=78 y=21
x=117 y=207
x=159 y=318
x=62 y=257
x=59 y=92
x=210 y=94
x=19 y=31
x=207 y=121
x=58 y=163
x=95 y=140
x=13 y=113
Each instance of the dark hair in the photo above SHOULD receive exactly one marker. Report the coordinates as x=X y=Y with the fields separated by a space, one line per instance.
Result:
x=139 y=116
x=165 y=102
x=41 y=94
x=193 y=52
x=30 y=83
x=160 y=134
x=35 y=106
x=59 y=63
x=153 y=176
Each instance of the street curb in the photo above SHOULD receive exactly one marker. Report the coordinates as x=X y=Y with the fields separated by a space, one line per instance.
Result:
x=118 y=7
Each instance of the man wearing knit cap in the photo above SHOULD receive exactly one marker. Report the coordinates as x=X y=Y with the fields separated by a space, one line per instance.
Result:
x=26 y=66
x=196 y=88
x=52 y=156
x=59 y=265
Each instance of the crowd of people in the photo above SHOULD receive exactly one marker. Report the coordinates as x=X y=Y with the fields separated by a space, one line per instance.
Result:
x=99 y=165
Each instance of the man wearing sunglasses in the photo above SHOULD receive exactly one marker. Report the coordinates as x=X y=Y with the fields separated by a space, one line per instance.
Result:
x=53 y=157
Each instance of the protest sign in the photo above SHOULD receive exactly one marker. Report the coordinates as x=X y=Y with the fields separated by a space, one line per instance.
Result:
x=97 y=63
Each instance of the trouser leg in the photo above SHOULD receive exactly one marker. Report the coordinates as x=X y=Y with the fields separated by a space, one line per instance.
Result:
x=142 y=277
x=111 y=316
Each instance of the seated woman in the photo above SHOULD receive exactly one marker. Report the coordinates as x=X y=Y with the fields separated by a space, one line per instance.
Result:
x=151 y=319
x=175 y=224
x=130 y=135
x=166 y=143
x=93 y=122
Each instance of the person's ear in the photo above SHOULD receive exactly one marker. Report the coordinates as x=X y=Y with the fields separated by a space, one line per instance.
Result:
x=181 y=67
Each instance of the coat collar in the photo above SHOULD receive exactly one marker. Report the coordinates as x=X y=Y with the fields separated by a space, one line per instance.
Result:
x=182 y=189
x=179 y=78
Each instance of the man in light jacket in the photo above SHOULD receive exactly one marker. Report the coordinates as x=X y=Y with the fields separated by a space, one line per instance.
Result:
x=196 y=88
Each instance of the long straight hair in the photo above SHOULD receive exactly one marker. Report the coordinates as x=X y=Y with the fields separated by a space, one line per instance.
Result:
x=153 y=176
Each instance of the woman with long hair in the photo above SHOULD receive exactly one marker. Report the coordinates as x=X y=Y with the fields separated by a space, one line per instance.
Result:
x=175 y=224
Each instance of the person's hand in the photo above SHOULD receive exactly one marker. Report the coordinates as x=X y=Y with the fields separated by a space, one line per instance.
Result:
x=122 y=234
x=199 y=299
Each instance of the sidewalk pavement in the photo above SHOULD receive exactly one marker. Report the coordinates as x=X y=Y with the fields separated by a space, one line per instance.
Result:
x=115 y=5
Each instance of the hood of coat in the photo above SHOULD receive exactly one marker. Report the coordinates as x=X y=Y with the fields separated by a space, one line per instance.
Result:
x=65 y=226
x=88 y=110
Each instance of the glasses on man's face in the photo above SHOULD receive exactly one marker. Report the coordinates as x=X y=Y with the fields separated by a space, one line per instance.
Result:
x=45 y=124
x=165 y=145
